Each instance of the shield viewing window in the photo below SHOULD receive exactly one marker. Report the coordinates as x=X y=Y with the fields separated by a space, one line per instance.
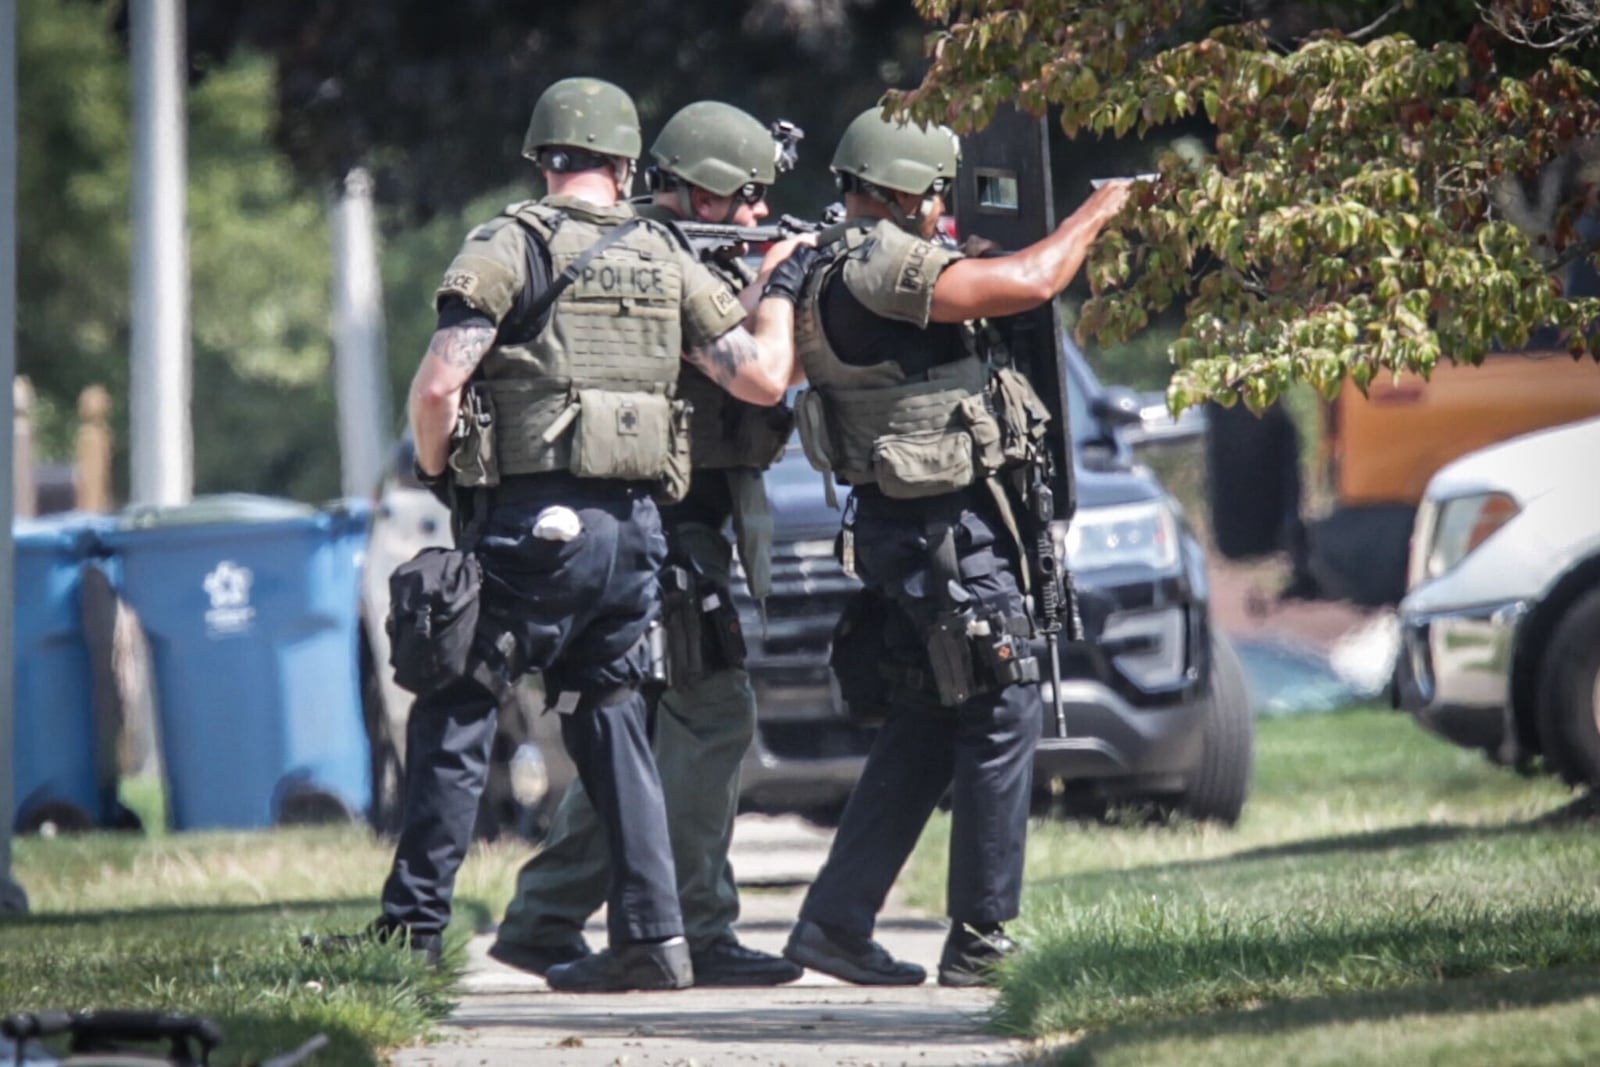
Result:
x=997 y=191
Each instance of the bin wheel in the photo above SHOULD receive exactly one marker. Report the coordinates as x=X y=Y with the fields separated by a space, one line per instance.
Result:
x=303 y=805
x=55 y=817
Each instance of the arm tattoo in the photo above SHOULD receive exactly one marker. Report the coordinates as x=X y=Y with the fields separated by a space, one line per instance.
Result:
x=462 y=346
x=723 y=358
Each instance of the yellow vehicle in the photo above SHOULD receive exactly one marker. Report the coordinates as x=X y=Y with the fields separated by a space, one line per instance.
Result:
x=1376 y=453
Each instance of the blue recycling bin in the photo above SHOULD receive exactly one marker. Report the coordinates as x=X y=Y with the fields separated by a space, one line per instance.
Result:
x=250 y=607
x=60 y=772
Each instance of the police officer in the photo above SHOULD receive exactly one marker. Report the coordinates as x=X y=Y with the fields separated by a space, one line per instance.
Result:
x=574 y=427
x=913 y=410
x=712 y=163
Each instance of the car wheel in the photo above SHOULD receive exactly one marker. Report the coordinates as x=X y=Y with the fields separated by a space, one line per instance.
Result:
x=1221 y=780
x=48 y=820
x=1569 y=694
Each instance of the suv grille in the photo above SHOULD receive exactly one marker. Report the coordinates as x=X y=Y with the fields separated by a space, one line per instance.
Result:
x=808 y=593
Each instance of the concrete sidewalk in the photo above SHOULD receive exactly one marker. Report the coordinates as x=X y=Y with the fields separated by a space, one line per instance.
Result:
x=507 y=1017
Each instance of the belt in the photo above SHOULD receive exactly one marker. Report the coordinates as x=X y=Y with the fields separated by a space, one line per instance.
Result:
x=521 y=488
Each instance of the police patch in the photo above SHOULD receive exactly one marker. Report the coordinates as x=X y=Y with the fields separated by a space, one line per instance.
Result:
x=459 y=281
x=724 y=302
x=913 y=276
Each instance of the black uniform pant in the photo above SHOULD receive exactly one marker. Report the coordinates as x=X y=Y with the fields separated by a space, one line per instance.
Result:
x=579 y=610
x=980 y=750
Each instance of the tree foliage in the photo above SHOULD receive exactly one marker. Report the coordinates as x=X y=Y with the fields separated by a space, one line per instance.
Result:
x=1386 y=186
x=258 y=251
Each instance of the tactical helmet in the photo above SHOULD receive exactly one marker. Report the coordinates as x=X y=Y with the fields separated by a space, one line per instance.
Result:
x=716 y=147
x=896 y=155
x=584 y=113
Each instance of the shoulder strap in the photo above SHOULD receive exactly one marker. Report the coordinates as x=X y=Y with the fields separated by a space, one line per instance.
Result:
x=567 y=277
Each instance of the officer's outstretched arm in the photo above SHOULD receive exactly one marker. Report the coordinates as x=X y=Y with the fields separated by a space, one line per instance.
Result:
x=1005 y=285
x=452 y=356
x=754 y=366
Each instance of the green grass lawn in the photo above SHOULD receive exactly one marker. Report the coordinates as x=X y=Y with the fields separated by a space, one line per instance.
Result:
x=1386 y=899
x=209 y=924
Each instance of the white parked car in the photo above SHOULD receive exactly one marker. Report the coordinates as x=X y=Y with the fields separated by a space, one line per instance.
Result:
x=1501 y=623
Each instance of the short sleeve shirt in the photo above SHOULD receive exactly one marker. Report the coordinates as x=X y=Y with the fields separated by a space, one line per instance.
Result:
x=493 y=273
x=879 y=305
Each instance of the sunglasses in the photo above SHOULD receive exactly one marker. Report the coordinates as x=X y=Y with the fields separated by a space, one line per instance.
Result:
x=751 y=193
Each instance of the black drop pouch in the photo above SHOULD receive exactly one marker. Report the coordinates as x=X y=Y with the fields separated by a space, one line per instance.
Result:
x=433 y=617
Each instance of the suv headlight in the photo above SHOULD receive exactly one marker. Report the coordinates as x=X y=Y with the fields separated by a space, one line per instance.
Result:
x=1461 y=524
x=1144 y=534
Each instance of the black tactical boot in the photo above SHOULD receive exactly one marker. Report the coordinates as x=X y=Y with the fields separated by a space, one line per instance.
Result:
x=848 y=956
x=636 y=965
x=725 y=962
x=425 y=948
x=970 y=953
x=537 y=959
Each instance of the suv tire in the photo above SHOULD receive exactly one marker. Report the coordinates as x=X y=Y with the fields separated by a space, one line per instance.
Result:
x=388 y=774
x=1221 y=780
x=1569 y=694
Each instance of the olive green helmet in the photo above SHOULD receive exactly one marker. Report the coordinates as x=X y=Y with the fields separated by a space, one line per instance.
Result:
x=716 y=147
x=896 y=155
x=584 y=113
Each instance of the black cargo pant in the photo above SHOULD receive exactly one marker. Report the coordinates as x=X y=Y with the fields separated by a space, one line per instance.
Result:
x=981 y=750
x=579 y=610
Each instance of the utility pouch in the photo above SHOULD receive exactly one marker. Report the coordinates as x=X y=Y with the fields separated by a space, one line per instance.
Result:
x=811 y=416
x=626 y=436
x=987 y=450
x=433 y=617
x=1005 y=659
x=680 y=461
x=922 y=463
x=763 y=433
x=856 y=657
x=473 y=459
x=1022 y=414
x=680 y=625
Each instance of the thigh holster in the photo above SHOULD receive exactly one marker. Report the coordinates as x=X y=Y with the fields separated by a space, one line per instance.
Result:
x=701 y=626
x=976 y=650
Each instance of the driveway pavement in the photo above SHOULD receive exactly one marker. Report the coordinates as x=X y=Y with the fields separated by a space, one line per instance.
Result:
x=507 y=1017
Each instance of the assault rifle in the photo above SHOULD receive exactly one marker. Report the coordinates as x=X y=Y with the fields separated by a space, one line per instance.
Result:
x=711 y=238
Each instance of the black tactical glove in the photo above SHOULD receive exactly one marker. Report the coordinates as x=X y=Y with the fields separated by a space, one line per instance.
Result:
x=787 y=277
x=437 y=484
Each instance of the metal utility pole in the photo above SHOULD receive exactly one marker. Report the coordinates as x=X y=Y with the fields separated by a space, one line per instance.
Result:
x=161 y=437
x=12 y=898
x=361 y=378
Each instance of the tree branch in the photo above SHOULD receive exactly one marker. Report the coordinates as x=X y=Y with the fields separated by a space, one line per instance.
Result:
x=1372 y=27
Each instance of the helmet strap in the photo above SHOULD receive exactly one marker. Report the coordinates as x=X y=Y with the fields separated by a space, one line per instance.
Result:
x=910 y=223
x=622 y=171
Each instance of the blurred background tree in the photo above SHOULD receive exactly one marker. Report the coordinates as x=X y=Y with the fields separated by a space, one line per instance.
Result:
x=259 y=259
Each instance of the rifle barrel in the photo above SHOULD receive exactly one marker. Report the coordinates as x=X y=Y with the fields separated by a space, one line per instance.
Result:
x=1052 y=650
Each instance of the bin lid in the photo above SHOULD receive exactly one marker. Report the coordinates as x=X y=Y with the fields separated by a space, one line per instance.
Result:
x=213 y=510
x=62 y=529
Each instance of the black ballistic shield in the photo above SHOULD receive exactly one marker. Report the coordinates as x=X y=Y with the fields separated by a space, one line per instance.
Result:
x=1004 y=193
